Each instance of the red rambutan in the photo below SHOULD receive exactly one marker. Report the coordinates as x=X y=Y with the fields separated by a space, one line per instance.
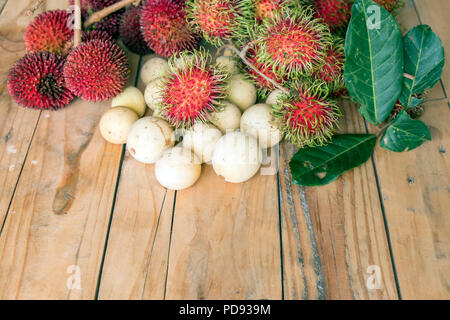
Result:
x=264 y=86
x=50 y=31
x=37 y=81
x=130 y=31
x=293 y=42
x=216 y=20
x=307 y=117
x=164 y=27
x=390 y=5
x=332 y=71
x=96 y=70
x=109 y=24
x=335 y=13
x=263 y=9
x=192 y=90
x=95 y=35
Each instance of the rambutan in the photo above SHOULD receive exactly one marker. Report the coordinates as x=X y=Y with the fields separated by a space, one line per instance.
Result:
x=130 y=31
x=263 y=9
x=306 y=117
x=293 y=42
x=192 y=89
x=264 y=86
x=109 y=24
x=331 y=73
x=390 y=5
x=335 y=13
x=37 y=81
x=95 y=35
x=216 y=20
x=96 y=70
x=165 y=29
x=49 y=32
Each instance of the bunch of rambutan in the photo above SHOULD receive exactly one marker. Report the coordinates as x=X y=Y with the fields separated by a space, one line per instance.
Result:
x=53 y=72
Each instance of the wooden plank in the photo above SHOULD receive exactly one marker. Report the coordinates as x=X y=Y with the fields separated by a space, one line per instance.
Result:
x=435 y=14
x=58 y=221
x=137 y=252
x=225 y=241
x=333 y=234
x=16 y=124
x=414 y=188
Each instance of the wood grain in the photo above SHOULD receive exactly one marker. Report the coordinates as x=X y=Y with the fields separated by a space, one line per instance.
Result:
x=137 y=251
x=333 y=234
x=60 y=213
x=16 y=123
x=225 y=241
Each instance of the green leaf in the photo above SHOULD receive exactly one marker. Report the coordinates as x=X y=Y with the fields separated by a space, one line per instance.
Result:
x=405 y=134
x=424 y=60
x=318 y=166
x=374 y=60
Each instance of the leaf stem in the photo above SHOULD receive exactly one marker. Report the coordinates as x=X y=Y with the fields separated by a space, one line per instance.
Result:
x=242 y=55
x=99 y=15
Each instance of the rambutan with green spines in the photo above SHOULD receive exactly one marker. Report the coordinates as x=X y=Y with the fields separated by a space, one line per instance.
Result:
x=96 y=70
x=165 y=29
x=216 y=20
x=306 y=116
x=130 y=31
x=335 y=13
x=293 y=42
x=264 y=86
x=193 y=89
x=36 y=81
x=49 y=31
x=331 y=72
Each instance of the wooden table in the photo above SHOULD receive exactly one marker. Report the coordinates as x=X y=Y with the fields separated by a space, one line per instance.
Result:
x=81 y=219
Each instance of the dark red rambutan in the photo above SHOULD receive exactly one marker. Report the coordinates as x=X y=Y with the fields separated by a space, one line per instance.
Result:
x=332 y=70
x=216 y=20
x=165 y=29
x=264 y=86
x=49 y=31
x=96 y=70
x=192 y=89
x=335 y=13
x=130 y=31
x=109 y=24
x=294 y=42
x=37 y=81
x=95 y=35
x=307 y=117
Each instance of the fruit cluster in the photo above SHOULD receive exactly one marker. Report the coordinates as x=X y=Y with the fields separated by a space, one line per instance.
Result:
x=280 y=62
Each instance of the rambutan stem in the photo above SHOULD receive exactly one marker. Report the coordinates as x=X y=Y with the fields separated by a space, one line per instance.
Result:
x=99 y=15
x=34 y=7
x=77 y=26
x=408 y=76
x=243 y=54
